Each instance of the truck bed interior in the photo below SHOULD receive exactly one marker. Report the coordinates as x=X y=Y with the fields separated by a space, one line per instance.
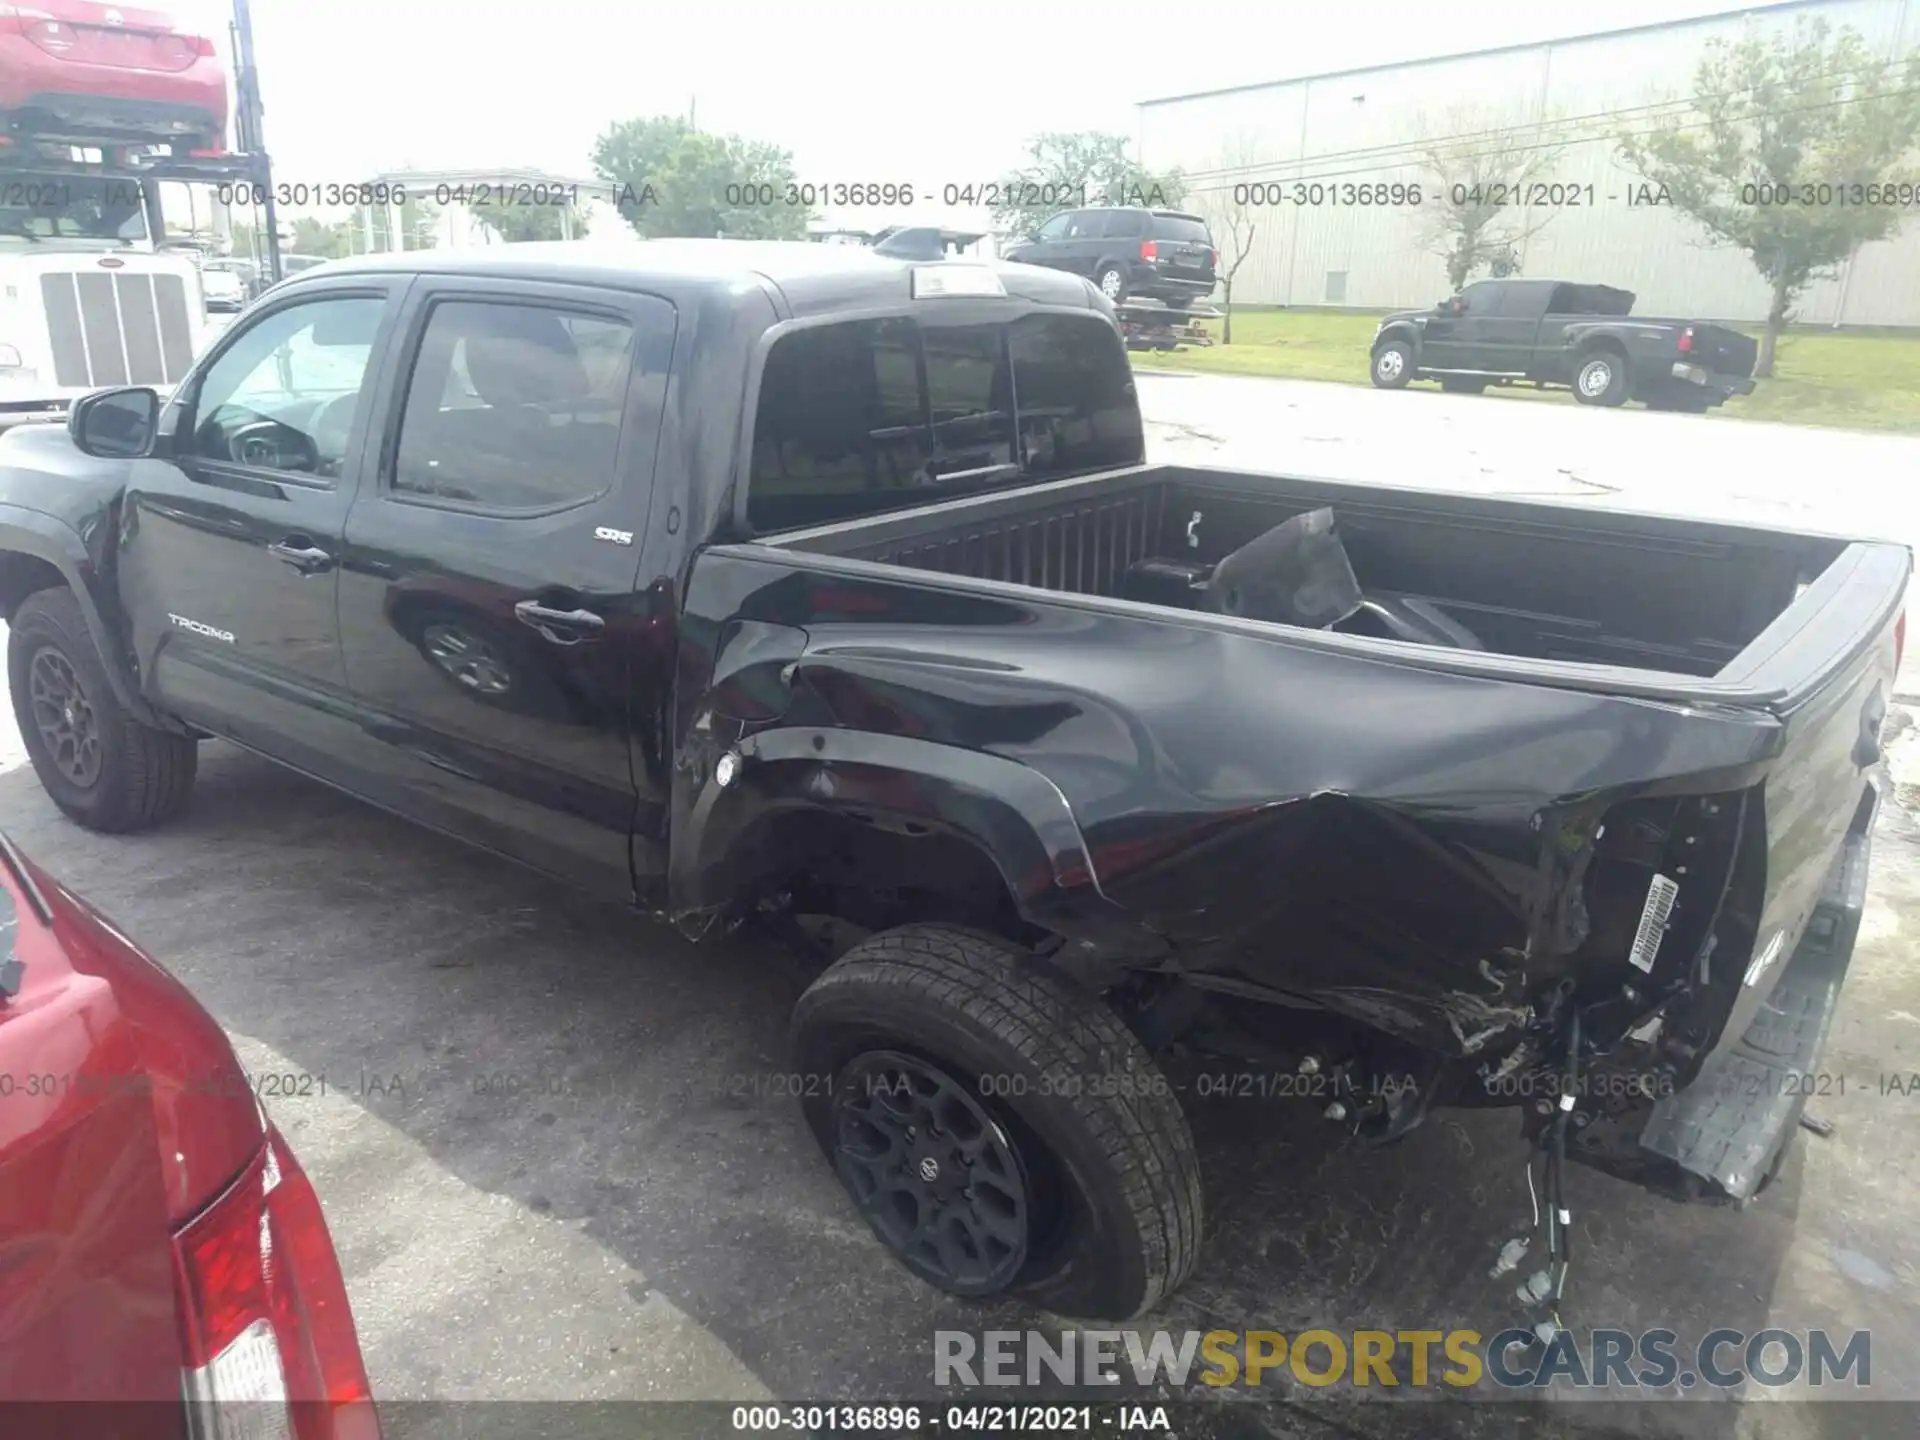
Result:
x=1501 y=576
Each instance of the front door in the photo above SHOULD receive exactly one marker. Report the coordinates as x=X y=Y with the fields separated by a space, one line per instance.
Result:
x=1456 y=340
x=494 y=643
x=231 y=533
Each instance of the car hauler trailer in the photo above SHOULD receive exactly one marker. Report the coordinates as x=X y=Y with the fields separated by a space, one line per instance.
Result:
x=1156 y=325
x=90 y=294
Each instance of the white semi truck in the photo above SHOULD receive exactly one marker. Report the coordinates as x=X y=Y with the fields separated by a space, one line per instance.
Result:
x=87 y=299
x=90 y=293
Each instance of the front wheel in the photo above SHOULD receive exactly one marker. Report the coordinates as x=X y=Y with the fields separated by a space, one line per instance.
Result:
x=1601 y=379
x=997 y=1128
x=100 y=765
x=1392 y=365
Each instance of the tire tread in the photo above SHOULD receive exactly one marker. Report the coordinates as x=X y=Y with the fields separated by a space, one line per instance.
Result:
x=157 y=766
x=1062 y=1032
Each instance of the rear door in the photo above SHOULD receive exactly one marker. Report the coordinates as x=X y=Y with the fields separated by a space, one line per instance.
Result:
x=494 y=645
x=230 y=536
x=1122 y=232
x=1185 y=247
x=1507 y=334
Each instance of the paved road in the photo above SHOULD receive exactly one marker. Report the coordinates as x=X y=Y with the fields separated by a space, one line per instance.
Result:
x=547 y=1179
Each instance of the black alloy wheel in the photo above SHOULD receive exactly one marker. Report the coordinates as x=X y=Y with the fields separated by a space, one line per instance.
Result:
x=936 y=1176
x=65 y=718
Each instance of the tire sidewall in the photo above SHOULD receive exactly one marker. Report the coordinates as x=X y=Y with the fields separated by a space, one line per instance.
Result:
x=1099 y=278
x=1616 y=386
x=1399 y=380
x=36 y=629
x=1098 y=1242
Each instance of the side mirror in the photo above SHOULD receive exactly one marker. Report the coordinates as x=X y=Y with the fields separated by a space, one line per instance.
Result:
x=115 y=424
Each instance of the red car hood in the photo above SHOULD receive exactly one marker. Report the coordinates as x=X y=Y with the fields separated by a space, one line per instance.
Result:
x=123 y=1112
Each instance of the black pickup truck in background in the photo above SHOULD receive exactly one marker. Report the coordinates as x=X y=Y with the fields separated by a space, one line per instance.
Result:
x=809 y=587
x=1551 y=334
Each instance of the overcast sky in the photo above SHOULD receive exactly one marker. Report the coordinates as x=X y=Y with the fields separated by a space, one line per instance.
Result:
x=915 y=92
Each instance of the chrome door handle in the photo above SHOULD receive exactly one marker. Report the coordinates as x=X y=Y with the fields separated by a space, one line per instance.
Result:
x=562 y=627
x=307 y=559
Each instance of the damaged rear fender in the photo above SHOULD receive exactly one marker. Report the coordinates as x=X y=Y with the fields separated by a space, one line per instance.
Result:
x=907 y=790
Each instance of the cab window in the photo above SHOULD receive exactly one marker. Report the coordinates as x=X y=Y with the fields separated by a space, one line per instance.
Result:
x=287 y=393
x=862 y=416
x=1054 y=229
x=514 y=407
x=1478 y=299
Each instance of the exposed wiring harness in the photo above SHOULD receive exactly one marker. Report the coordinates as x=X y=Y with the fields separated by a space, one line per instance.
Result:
x=1559 y=1220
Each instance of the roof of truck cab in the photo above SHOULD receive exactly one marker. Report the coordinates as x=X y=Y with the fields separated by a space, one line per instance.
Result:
x=812 y=277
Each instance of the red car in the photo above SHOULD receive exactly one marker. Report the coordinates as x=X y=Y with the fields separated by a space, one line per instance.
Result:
x=159 y=1244
x=85 y=71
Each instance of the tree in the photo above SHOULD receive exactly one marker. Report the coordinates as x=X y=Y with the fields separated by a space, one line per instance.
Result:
x=1231 y=215
x=514 y=223
x=320 y=237
x=1068 y=169
x=672 y=179
x=1791 y=138
x=1477 y=163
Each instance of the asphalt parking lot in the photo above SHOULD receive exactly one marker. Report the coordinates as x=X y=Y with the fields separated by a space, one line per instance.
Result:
x=547 y=1180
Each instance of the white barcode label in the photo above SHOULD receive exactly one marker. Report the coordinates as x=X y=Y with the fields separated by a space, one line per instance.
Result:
x=1653 y=922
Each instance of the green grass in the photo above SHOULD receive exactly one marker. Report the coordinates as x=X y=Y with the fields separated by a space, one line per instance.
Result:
x=1856 y=380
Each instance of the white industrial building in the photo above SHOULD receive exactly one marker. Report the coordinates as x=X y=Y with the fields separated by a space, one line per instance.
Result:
x=1364 y=125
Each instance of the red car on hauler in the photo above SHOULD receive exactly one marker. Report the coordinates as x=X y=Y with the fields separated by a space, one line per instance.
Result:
x=165 y=1269
x=75 y=68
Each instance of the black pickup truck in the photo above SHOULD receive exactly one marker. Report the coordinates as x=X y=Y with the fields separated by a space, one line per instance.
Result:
x=1550 y=334
x=804 y=586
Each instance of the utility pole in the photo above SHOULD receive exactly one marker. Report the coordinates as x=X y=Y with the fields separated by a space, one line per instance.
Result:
x=248 y=130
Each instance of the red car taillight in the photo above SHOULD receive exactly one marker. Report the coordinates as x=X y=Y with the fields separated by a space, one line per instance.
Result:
x=182 y=50
x=1686 y=340
x=1149 y=250
x=268 y=1338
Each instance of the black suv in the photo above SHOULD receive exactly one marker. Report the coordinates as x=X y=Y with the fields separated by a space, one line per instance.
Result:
x=1157 y=254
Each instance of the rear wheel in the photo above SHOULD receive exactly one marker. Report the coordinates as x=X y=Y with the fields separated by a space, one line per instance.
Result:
x=1392 y=365
x=997 y=1128
x=1601 y=378
x=100 y=765
x=1112 y=281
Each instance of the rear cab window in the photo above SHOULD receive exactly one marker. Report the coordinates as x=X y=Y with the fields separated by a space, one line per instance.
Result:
x=861 y=417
